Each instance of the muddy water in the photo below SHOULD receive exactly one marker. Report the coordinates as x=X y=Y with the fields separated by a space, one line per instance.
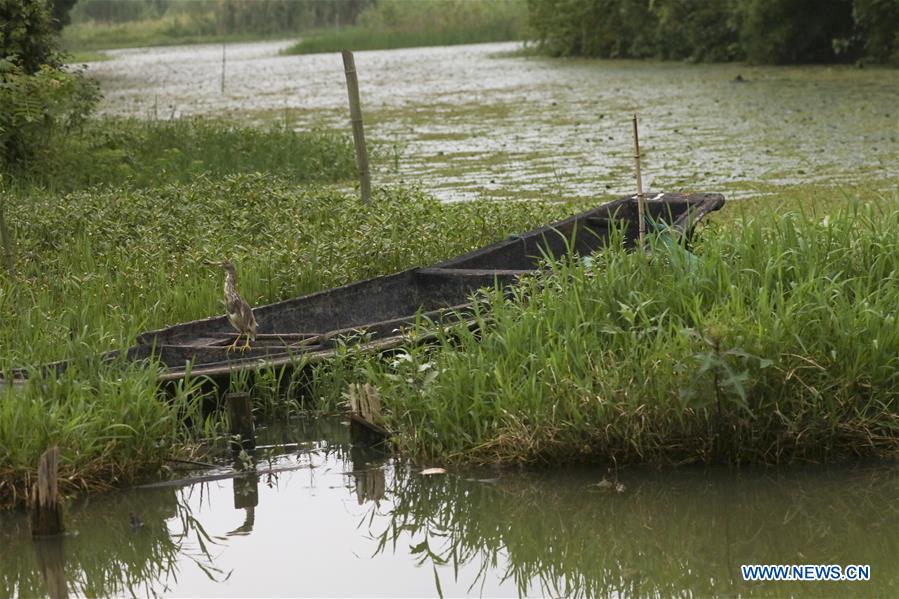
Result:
x=321 y=518
x=466 y=121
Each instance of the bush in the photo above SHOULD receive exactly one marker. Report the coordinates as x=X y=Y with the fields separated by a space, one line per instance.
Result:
x=36 y=108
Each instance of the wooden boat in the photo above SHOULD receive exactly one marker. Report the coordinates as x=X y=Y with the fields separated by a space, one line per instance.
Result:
x=376 y=311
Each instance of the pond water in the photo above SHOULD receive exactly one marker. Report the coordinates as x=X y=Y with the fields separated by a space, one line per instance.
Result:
x=320 y=518
x=470 y=121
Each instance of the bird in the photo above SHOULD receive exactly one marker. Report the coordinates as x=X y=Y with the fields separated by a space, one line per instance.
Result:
x=239 y=312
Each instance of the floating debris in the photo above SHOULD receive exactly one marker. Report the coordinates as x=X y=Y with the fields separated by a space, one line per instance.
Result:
x=607 y=485
x=430 y=471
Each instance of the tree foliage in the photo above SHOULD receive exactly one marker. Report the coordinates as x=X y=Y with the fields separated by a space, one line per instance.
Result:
x=27 y=36
x=763 y=31
x=38 y=99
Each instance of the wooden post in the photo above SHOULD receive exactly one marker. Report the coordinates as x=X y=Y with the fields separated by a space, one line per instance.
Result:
x=240 y=415
x=641 y=208
x=223 y=68
x=352 y=88
x=46 y=511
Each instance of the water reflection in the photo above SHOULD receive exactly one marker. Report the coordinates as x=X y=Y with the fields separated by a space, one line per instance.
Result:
x=667 y=534
x=104 y=554
x=349 y=521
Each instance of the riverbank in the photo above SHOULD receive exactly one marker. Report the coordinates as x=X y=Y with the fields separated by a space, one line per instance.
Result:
x=774 y=343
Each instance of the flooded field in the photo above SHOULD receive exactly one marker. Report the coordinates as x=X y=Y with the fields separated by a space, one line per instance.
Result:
x=475 y=120
x=319 y=518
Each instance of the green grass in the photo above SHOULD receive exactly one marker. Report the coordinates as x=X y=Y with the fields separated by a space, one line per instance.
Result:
x=167 y=31
x=144 y=153
x=777 y=345
x=94 y=268
x=415 y=23
x=86 y=56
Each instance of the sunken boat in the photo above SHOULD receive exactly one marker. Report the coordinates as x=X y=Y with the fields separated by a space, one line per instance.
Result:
x=377 y=312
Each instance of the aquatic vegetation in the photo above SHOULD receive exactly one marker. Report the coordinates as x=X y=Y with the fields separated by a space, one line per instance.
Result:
x=141 y=153
x=110 y=422
x=778 y=344
x=92 y=269
x=403 y=24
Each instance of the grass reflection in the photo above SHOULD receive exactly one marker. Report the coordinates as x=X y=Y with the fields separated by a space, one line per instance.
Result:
x=685 y=532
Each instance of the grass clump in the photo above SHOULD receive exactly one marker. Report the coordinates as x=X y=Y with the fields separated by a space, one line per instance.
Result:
x=111 y=423
x=777 y=345
x=392 y=24
x=146 y=153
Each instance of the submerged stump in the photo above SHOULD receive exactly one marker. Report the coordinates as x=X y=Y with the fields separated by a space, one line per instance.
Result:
x=240 y=416
x=46 y=509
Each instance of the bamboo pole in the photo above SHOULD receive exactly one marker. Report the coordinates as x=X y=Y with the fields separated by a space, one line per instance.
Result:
x=223 y=68
x=352 y=88
x=641 y=200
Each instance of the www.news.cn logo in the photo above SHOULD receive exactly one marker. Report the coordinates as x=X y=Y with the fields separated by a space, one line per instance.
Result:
x=806 y=572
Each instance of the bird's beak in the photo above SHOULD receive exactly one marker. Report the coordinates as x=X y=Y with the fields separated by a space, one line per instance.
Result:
x=211 y=263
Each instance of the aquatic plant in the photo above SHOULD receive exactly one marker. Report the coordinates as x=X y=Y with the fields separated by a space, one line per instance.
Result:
x=92 y=269
x=778 y=344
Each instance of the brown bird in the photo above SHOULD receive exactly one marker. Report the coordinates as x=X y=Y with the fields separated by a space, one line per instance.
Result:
x=240 y=315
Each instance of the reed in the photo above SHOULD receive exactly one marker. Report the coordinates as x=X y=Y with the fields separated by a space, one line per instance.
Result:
x=777 y=344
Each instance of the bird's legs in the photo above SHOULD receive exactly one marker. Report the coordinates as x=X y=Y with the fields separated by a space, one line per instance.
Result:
x=233 y=346
x=246 y=345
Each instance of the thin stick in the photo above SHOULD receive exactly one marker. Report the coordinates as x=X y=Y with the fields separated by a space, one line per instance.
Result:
x=223 y=68
x=641 y=200
x=352 y=88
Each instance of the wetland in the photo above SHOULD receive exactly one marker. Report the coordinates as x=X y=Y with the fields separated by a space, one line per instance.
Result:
x=472 y=126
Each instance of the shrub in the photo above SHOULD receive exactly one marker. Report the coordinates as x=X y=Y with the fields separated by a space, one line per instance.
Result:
x=36 y=108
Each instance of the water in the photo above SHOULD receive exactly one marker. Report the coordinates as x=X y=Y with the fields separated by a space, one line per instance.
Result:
x=470 y=121
x=333 y=520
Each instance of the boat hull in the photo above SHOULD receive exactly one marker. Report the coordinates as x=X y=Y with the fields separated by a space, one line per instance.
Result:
x=376 y=312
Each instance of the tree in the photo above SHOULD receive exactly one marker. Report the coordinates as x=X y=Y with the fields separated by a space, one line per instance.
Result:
x=59 y=13
x=27 y=36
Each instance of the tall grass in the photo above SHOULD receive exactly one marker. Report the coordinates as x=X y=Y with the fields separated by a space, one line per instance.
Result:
x=165 y=31
x=778 y=344
x=111 y=423
x=143 y=153
x=412 y=23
